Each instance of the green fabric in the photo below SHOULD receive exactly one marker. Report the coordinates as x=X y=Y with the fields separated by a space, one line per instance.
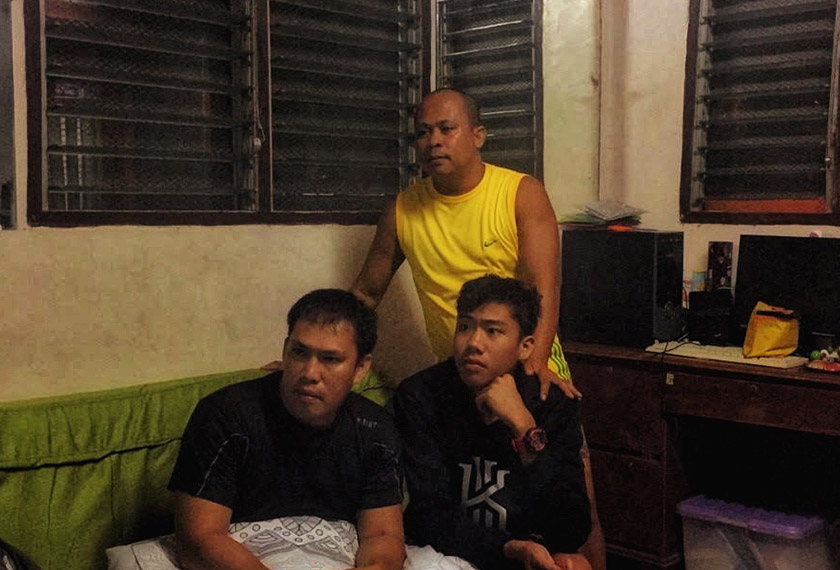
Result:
x=82 y=473
x=375 y=387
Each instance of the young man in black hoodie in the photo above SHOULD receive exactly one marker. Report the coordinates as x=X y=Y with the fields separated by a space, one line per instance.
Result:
x=494 y=473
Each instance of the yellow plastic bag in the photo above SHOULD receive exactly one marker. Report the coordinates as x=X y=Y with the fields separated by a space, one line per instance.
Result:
x=772 y=331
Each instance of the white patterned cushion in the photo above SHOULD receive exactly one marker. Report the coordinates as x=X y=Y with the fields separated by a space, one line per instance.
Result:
x=293 y=543
x=288 y=543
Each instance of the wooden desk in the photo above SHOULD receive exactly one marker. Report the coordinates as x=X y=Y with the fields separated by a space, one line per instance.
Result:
x=797 y=399
x=631 y=405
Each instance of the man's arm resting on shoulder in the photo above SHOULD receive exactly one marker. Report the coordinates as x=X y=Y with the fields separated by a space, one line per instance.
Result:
x=381 y=539
x=383 y=259
x=538 y=249
x=201 y=531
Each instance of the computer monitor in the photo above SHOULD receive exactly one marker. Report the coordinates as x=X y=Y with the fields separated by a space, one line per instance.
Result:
x=799 y=273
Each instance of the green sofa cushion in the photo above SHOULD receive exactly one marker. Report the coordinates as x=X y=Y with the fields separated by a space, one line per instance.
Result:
x=85 y=472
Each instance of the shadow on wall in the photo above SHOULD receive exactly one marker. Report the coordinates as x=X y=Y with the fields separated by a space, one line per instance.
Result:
x=402 y=348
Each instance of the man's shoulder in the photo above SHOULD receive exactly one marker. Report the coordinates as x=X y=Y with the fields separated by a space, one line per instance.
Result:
x=415 y=195
x=245 y=389
x=431 y=384
x=366 y=413
x=504 y=170
x=241 y=397
x=415 y=188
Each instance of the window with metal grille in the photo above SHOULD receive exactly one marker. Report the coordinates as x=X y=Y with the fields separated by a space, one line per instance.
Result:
x=157 y=111
x=491 y=50
x=146 y=106
x=760 y=111
x=344 y=85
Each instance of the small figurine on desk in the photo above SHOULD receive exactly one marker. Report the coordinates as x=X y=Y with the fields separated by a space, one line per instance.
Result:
x=826 y=359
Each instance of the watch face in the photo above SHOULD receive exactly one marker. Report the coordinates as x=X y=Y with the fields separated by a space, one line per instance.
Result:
x=535 y=440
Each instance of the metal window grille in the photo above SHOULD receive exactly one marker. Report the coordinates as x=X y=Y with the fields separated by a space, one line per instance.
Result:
x=7 y=205
x=763 y=119
x=490 y=49
x=148 y=105
x=344 y=81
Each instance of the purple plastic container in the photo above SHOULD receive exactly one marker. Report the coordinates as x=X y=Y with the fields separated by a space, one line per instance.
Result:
x=784 y=525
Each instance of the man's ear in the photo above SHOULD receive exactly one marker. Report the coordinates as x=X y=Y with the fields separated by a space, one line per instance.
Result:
x=362 y=367
x=285 y=346
x=480 y=136
x=526 y=347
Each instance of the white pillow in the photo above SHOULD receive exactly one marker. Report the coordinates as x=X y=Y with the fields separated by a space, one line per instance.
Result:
x=288 y=543
x=293 y=543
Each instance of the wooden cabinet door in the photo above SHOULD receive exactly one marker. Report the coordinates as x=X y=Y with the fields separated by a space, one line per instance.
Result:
x=636 y=505
x=621 y=407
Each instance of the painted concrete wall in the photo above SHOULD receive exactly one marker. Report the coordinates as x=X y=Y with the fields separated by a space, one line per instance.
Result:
x=571 y=77
x=92 y=308
x=95 y=308
x=644 y=47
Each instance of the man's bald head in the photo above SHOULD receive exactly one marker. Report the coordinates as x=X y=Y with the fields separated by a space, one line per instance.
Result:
x=471 y=107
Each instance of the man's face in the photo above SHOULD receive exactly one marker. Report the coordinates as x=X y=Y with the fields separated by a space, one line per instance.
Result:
x=320 y=365
x=487 y=344
x=446 y=141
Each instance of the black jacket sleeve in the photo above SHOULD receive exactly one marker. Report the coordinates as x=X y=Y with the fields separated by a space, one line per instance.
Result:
x=554 y=490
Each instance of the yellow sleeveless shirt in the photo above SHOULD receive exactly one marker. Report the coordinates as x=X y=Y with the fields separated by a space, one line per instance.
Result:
x=449 y=240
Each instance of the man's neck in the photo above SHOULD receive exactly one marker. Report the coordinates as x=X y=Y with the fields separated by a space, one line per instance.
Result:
x=459 y=183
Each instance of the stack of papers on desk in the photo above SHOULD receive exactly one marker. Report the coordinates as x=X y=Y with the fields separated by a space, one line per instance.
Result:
x=604 y=213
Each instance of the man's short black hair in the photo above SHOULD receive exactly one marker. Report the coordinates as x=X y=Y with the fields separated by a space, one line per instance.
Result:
x=335 y=306
x=522 y=300
x=470 y=104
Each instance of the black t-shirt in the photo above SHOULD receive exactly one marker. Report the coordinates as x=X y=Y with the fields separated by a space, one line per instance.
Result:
x=242 y=449
x=468 y=491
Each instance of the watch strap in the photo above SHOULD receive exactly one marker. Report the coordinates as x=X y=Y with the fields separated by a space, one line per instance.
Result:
x=533 y=441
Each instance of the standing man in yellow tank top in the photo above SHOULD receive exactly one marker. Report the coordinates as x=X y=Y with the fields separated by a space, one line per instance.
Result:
x=467 y=219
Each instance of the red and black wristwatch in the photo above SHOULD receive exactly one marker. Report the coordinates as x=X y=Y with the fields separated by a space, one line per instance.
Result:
x=533 y=441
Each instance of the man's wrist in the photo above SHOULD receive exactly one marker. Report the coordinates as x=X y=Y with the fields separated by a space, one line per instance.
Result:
x=519 y=426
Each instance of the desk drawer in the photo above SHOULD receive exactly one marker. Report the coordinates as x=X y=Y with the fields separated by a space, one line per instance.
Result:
x=796 y=407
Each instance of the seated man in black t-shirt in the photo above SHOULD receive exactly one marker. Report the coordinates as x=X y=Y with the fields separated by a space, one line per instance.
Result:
x=494 y=473
x=295 y=442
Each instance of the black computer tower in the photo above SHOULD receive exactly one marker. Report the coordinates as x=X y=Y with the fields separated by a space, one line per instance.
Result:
x=621 y=288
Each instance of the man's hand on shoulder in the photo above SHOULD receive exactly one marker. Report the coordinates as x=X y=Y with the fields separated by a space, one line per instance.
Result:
x=536 y=366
